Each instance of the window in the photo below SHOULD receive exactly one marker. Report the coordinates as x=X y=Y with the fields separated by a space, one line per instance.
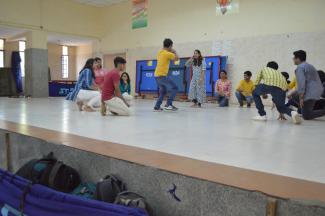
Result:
x=2 y=53
x=65 y=62
x=22 y=47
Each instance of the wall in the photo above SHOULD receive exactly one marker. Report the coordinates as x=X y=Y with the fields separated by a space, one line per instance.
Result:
x=192 y=21
x=60 y=16
x=259 y=31
x=83 y=53
x=108 y=60
x=9 y=47
x=54 y=59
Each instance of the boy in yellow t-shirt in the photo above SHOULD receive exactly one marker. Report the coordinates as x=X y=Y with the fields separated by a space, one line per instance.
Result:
x=245 y=89
x=164 y=83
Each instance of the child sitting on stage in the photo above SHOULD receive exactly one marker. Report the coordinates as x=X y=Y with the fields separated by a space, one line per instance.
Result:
x=245 y=89
x=125 y=86
x=111 y=94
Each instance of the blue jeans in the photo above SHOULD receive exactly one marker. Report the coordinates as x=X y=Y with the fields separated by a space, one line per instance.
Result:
x=241 y=98
x=222 y=100
x=165 y=85
x=278 y=98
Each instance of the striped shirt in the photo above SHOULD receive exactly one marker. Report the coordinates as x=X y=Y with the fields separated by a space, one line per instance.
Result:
x=85 y=81
x=271 y=77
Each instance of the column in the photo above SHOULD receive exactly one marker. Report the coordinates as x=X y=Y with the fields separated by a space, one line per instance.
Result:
x=36 y=64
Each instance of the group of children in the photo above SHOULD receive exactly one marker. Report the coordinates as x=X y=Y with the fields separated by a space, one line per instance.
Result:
x=111 y=90
x=269 y=81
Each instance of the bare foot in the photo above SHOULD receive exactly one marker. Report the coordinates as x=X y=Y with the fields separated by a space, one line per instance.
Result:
x=88 y=109
x=80 y=104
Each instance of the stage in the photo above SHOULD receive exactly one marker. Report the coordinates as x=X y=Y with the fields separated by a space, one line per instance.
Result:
x=219 y=135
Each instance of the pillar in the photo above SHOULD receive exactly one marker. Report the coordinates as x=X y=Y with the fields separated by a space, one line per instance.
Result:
x=36 y=64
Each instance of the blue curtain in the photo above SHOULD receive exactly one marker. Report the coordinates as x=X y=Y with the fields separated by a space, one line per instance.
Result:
x=16 y=70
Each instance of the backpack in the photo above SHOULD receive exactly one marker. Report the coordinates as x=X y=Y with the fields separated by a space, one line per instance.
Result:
x=108 y=188
x=50 y=172
x=86 y=190
x=133 y=200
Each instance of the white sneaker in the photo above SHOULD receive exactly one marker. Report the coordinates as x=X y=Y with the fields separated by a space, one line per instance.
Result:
x=259 y=118
x=171 y=108
x=296 y=119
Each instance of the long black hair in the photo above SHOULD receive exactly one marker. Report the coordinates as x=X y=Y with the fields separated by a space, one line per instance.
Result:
x=128 y=81
x=198 y=62
x=89 y=65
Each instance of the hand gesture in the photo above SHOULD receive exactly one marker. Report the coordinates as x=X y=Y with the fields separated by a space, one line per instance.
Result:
x=282 y=117
x=301 y=102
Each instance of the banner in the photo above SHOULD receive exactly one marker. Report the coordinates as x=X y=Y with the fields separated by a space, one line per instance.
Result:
x=139 y=14
x=227 y=7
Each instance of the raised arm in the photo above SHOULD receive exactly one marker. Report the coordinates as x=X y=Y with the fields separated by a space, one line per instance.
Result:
x=189 y=62
x=175 y=57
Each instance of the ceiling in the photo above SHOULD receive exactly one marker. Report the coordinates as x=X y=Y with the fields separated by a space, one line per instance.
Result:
x=6 y=32
x=100 y=3
x=15 y=34
x=68 y=40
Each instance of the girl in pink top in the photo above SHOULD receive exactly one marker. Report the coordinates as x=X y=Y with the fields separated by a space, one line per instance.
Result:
x=223 y=89
x=99 y=73
x=99 y=77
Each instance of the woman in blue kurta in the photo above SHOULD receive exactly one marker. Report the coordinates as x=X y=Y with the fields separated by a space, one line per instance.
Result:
x=85 y=92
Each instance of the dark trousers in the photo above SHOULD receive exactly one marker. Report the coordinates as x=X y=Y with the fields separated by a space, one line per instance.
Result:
x=222 y=100
x=309 y=112
x=278 y=98
x=294 y=101
x=165 y=84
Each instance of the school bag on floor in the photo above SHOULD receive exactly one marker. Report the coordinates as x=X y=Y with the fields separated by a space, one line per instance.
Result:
x=133 y=200
x=85 y=190
x=108 y=188
x=50 y=172
x=19 y=196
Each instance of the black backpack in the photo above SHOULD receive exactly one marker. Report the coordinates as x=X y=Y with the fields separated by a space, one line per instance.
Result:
x=133 y=200
x=108 y=188
x=50 y=172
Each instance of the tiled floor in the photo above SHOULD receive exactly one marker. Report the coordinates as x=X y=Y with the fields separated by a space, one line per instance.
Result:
x=220 y=135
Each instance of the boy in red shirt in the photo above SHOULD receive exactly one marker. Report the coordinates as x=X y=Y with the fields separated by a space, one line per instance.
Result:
x=111 y=94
